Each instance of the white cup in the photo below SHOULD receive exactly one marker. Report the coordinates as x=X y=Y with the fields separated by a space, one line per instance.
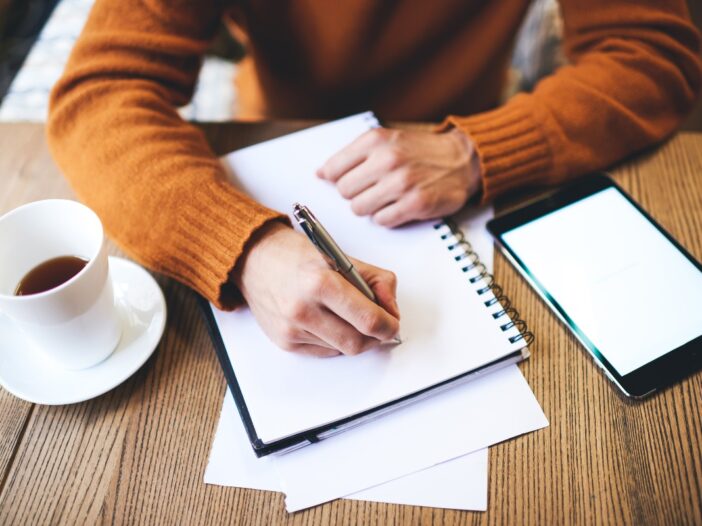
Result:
x=76 y=323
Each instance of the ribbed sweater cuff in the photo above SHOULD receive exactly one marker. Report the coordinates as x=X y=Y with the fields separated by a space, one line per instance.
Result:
x=511 y=147
x=209 y=237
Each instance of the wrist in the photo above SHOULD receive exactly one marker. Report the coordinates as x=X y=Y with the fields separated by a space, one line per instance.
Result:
x=470 y=163
x=259 y=243
x=475 y=189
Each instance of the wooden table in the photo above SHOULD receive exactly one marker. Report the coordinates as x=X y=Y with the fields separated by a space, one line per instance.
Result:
x=138 y=453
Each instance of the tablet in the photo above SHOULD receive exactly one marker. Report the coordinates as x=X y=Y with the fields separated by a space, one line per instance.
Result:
x=627 y=290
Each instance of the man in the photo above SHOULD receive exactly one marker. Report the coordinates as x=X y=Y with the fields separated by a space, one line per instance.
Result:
x=634 y=72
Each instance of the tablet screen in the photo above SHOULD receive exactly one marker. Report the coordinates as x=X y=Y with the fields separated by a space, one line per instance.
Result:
x=621 y=284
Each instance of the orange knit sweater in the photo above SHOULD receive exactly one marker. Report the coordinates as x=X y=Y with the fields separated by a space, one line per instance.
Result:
x=113 y=128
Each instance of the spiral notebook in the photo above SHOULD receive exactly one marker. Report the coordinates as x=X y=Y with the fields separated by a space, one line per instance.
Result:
x=456 y=323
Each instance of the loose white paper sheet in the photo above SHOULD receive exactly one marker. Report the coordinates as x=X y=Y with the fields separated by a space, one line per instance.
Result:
x=459 y=484
x=466 y=418
x=447 y=426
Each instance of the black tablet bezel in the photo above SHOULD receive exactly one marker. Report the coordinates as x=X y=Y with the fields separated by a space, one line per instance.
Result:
x=670 y=367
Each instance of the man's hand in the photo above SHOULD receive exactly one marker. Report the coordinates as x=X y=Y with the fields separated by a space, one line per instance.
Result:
x=398 y=176
x=305 y=306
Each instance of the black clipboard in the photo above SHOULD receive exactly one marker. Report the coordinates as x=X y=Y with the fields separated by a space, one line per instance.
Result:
x=316 y=434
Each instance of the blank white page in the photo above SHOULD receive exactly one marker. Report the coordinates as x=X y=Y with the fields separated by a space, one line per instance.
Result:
x=445 y=327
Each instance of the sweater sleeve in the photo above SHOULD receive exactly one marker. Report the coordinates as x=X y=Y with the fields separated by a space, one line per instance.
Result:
x=151 y=177
x=634 y=73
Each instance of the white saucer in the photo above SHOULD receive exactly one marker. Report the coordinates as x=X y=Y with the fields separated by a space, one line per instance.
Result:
x=27 y=374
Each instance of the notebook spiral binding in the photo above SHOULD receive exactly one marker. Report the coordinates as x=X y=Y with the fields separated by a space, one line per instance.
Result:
x=480 y=275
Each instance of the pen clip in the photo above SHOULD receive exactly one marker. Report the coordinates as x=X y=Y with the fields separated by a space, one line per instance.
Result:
x=311 y=227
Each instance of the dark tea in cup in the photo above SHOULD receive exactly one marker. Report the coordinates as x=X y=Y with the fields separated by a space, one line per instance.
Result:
x=50 y=274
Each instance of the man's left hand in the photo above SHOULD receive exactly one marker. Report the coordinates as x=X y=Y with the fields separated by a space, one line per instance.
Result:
x=397 y=176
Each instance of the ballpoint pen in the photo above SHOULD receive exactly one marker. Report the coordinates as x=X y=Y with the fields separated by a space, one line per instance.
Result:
x=331 y=252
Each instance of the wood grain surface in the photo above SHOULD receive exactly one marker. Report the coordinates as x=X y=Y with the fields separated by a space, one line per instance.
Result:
x=137 y=454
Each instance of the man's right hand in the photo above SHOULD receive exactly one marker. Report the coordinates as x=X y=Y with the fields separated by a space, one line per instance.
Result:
x=305 y=306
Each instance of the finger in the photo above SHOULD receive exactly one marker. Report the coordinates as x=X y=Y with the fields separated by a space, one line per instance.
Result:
x=387 y=299
x=342 y=336
x=313 y=350
x=347 y=302
x=323 y=328
x=349 y=156
x=384 y=285
x=396 y=214
x=386 y=295
x=307 y=337
x=289 y=336
x=376 y=197
x=359 y=178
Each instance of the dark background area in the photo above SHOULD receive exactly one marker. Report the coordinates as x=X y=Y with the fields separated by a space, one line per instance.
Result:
x=20 y=23
x=22 y=20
